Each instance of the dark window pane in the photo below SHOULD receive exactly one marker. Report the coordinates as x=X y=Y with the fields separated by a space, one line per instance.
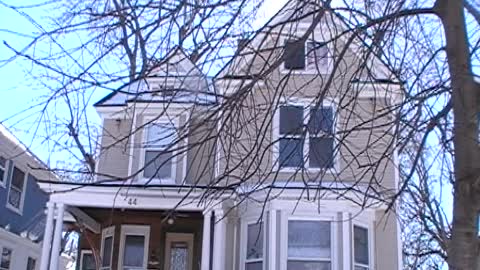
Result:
x=18 y=178
x=158 y=165
x=88 y=262
x=291 y=120
x=306 y=265
x=107 y=251
x=360 y=244
x=321 y=153
x=255 y=241
x=321 y=120
x=134 y=250
x=291 y=153
x=294 y=55
x=254 y=266
x=31 y=263
x=309 y=239
x=14 y=198
x=6 y=258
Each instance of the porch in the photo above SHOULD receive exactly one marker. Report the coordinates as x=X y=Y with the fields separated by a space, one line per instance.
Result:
x=136 y=228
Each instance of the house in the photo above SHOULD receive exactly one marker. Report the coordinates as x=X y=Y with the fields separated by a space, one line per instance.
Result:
x=22 y=204
x=262 y=167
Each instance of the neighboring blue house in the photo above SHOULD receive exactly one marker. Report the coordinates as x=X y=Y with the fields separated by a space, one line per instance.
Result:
x=22 y=204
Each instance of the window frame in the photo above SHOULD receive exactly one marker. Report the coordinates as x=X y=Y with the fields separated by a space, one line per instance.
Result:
x=136 y=230
x=369 y=228
x=333 y=239
x=4 y=179
x=82 y=253
x=24 y=190
x=12 y=253
x=309 y=69
x=162 y=120
x=245 y=225
x=306 y=104
x=107 y=232
x=34 y=259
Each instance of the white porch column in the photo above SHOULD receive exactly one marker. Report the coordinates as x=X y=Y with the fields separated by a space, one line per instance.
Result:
x=207 y=217
x=57 y=237
x=219 y=241
x=347 y=241
x=272 y=230
x=47 y=237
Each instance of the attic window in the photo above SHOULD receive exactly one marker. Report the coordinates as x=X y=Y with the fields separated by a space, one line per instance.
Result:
x=294 y=55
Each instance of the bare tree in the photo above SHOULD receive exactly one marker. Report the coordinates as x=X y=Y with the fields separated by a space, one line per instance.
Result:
x=430 y=48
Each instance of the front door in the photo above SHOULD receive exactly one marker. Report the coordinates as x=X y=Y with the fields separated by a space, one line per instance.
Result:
x=179 y=251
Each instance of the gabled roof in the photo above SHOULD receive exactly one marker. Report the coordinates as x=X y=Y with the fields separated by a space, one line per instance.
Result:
x=177 y=66
x=282 y=17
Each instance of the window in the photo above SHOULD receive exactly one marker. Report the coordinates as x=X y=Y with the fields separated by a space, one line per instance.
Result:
x=316 y=55
x=134 y=247
x=309 y=245
x=6 y=259
x=3 y=171
x=158 y=151
x=87 y=260
x=312 y=147
x=254 y=254
x=107 y=248
x=360 y=247
x=16 y=192
x=294 y=57
x=31 y=263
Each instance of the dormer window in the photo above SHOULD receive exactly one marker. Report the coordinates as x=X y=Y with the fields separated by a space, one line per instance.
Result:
x=159 y=151
x=312 y=55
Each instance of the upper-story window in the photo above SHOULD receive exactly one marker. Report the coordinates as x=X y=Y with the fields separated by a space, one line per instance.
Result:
x=107 y=248
x=6 y=259
x=254 y=254
x=16 y=192
x=309 y=245
x=360 y=247
x=310 y=147
x=3 y=171
x=312 y=55
x=159 y=155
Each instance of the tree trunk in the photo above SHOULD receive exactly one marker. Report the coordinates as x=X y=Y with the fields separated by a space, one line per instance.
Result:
x=463 y=247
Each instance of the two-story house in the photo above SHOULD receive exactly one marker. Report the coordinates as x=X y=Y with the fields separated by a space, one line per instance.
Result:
x=22 y=204
x=265 y=166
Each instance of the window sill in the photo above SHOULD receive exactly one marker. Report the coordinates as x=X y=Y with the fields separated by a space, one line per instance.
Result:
x=13 y=209
x=307 y=170
x=306 y=71
x=156 y=181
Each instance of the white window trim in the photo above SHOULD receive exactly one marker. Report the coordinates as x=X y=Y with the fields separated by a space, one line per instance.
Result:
x=244 y=241
x=371 y=244
x=3 y=181
x=309 y=69
x=146 y=122
x=12 y=258
x=22 y=198
x=107 y=232
x=143 y=230
x=82 y=253
x=285 y=218
x=306 y=103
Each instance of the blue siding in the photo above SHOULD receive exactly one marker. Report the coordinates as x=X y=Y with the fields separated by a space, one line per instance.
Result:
x=33 y=205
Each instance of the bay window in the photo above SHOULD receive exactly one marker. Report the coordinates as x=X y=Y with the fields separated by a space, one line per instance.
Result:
x=106 y=250
x=310 y=147
x=309 y=245
x=134 y=242
x=158 y=154
x=254 y=254
x=361 y=248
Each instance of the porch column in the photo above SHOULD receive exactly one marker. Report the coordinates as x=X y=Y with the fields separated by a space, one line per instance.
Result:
x=57 y=237
x=47 y=237
x=347 y=240
x=219 y=241
x=207 y=217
